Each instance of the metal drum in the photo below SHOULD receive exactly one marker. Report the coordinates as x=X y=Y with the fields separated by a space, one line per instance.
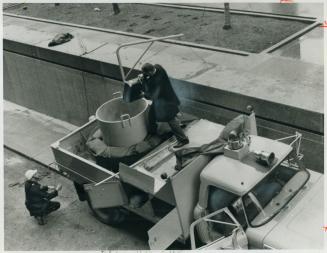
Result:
x=123 y=124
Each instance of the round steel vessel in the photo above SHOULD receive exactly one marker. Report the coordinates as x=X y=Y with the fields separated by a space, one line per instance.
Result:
x=123 y=124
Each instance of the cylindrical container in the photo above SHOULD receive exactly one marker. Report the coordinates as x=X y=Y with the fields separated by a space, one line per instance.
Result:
x=123 y=124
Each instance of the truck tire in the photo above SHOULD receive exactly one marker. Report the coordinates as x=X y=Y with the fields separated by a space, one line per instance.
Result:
x=113 y=216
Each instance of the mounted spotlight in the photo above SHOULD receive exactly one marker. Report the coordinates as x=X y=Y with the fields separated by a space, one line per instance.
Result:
x=234 y=141
x=264 y=157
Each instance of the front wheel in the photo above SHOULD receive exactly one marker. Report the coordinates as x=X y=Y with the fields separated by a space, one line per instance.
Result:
x=113 y=216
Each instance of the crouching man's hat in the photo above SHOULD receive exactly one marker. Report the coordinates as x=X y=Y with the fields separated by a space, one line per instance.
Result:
x=30 y=173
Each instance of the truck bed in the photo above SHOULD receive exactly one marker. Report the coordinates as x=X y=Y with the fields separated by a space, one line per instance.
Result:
x=75 y=160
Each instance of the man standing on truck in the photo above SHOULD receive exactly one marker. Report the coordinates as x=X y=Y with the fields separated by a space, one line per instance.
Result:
x=156 y=86
x=38 y=197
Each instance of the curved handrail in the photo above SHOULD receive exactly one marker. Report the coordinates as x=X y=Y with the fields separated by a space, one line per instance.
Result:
x=136 y=43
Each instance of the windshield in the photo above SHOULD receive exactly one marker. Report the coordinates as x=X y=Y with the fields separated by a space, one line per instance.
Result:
x=268 y=197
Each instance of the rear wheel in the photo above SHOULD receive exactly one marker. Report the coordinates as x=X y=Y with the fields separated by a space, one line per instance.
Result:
x=113 y=216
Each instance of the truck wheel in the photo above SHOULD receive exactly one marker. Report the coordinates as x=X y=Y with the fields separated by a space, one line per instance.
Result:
x=113 y=216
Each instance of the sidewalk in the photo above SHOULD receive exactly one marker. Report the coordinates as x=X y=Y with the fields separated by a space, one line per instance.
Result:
x=31 y=133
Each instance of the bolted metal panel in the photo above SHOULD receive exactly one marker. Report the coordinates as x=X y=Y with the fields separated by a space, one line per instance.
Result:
x=165 y=232
x=108 y=194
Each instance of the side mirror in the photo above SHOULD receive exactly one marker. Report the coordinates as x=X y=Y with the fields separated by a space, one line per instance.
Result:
x=239 y=239
x=237 y=206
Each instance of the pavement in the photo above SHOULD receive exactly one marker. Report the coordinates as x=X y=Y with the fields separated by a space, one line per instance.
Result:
x=73 y=227
x=31 y=133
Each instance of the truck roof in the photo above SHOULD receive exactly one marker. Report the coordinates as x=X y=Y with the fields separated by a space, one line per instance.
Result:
x=239 y=177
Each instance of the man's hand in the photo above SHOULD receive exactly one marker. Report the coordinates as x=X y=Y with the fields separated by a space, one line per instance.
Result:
x=59 y=187
x=138 y=79
x=129 y=83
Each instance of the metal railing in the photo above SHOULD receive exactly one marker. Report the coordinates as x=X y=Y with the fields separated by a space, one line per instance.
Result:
x=151 y=41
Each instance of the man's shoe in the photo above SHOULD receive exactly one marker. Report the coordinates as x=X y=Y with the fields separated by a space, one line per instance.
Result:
x=40 y=220
x=181 y=144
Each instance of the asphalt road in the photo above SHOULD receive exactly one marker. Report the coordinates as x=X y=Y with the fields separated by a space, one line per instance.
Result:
x=72 y=227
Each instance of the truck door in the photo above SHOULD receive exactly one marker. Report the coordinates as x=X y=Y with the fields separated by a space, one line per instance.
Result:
x=222 y=232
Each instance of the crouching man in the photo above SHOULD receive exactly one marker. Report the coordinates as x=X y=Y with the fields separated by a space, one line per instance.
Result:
x=38 y=197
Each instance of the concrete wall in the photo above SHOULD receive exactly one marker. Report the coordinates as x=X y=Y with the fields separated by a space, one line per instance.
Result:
x=61 y=92
x=73 y=95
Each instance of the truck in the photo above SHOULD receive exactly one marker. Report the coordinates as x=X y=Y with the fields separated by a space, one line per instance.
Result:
x=256 y=194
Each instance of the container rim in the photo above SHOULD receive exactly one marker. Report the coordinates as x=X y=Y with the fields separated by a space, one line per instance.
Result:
x=119 y=121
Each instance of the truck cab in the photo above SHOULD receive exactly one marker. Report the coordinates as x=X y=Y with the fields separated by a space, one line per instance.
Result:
x=244 y=203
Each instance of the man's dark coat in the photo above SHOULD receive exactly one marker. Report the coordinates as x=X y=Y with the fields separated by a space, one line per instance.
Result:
x=37 y=198
x=157 y=88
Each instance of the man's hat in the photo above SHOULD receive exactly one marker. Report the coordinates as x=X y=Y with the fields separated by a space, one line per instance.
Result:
x=30 y=173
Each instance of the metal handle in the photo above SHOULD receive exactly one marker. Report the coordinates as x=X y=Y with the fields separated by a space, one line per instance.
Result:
x=108 y=178
x=125 y=117
x=114 y=95
x=122 y=72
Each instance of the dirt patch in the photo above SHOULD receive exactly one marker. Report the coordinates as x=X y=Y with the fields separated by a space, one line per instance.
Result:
x=248 y=33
